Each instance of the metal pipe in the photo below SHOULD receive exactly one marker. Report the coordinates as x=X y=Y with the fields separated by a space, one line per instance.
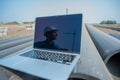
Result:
x=16 y=42
x=14 y=49
x=3 y=41
x=108 y=48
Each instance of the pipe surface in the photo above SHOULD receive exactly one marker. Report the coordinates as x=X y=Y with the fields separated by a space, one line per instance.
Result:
x=14 y=49
x=108 y=47
x=3 y=41
x=91 y=62
x=11 y=43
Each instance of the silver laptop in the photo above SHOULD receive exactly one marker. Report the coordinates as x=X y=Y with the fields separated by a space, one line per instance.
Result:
x=56 y=49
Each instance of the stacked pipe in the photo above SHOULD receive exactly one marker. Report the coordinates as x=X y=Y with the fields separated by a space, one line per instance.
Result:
x=9 y=46
x=109 y=49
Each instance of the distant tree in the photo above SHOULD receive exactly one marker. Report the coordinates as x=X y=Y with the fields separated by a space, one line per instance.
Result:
x=14 y=22
x=108 y=22
x=102 y=22
x=114 y=22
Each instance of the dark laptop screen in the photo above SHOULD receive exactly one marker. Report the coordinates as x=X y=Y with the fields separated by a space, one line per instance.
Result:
x=62 y=33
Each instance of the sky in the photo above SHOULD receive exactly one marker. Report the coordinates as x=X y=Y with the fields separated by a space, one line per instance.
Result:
x=94 y=11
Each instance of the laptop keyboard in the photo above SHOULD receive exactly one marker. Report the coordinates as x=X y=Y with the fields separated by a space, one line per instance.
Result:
x=50 y=56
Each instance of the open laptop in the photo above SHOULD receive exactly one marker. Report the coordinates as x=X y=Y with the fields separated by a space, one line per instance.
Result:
x=56 y=49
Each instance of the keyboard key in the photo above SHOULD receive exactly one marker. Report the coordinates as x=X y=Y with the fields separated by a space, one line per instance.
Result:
x=50 y=56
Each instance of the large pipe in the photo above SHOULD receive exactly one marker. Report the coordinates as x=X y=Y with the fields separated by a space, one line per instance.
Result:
x=14 y=49
x=3 y=41
x=11 y=43
x=108 y=47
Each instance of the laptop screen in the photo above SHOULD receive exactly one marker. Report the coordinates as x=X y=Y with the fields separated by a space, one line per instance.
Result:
x=62 y=33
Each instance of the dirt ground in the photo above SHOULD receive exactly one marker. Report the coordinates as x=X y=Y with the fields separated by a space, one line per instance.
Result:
x=106 y=30
x=17 y=30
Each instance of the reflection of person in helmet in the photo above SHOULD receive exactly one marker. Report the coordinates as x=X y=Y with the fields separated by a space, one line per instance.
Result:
x=50 y=33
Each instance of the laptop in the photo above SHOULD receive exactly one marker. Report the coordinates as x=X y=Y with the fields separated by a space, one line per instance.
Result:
x=56 y=49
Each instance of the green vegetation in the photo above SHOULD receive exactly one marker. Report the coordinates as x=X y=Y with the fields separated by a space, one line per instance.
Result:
x=14 y=22
x=108 y=22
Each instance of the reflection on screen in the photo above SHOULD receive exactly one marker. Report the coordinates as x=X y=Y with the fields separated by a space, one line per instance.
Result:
x=59 y=32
